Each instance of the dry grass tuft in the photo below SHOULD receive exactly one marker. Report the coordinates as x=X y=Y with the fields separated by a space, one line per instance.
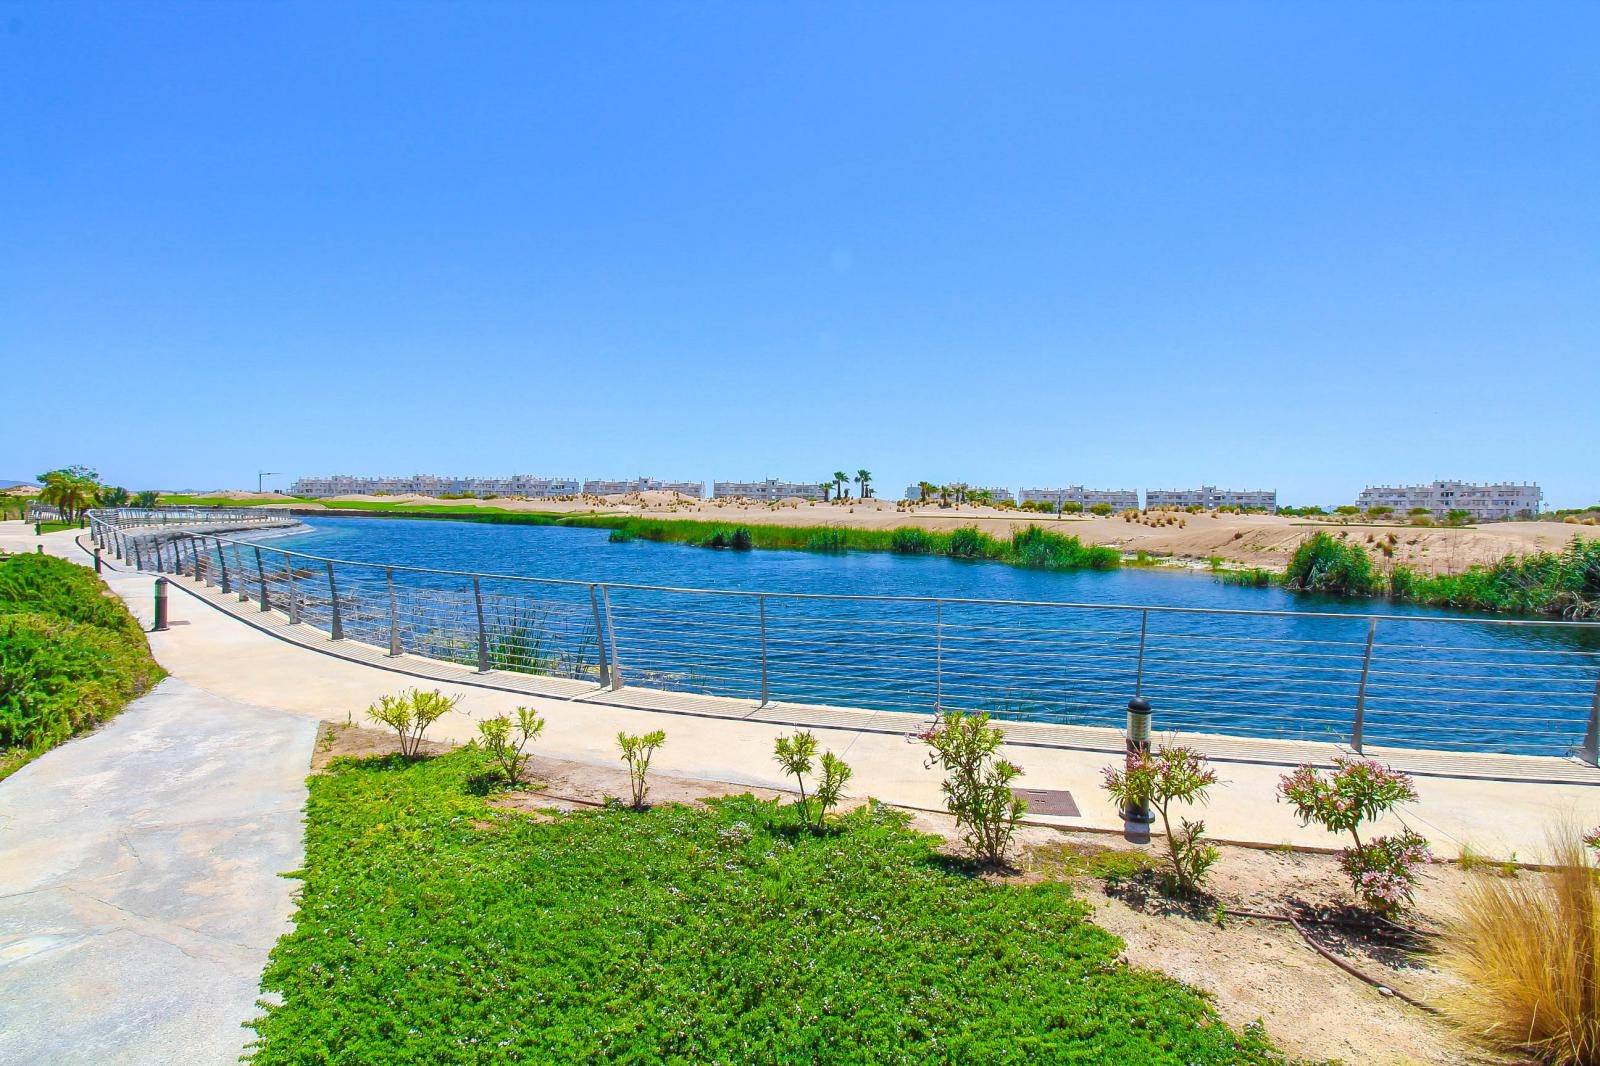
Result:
x=1529 y=952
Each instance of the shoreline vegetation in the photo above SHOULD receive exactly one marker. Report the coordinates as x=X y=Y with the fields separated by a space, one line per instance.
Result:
x=1564 y=583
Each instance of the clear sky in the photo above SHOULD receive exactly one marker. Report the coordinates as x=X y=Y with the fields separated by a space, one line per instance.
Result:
x=1299 y=246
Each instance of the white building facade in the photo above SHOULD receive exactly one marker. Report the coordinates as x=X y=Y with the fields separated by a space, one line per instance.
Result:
x=766 y=491
x=693 y=489
x=435 y=485
x=1485 y=502
x=1211 y=497
x=1116 y=499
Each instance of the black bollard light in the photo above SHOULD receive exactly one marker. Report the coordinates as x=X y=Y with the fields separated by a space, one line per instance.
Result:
x=161 y=605
x=1138 y=742
x=97 y=559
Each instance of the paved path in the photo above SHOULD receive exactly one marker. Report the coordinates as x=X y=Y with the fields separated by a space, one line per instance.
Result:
x=139 y=881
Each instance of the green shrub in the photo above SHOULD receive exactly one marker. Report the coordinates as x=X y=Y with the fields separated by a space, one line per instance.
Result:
x=977 y=784
x=795 y=754
x=1382 y=871
x=58 y=677
x=504 y=739
x=1101 y=509
x=1324 y=563
x=1161 y=778
x=637 y=752
x=410 y=713
x=43 y=584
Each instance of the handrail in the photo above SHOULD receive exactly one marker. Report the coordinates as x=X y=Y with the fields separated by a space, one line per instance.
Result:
x=1486 y=693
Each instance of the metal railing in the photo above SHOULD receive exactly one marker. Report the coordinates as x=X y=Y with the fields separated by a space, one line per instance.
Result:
x=1421 y=681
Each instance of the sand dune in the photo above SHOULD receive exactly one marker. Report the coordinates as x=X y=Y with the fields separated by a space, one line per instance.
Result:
x=1251 y=540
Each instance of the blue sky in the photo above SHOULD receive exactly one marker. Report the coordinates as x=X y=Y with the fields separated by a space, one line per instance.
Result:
x=1300 y=246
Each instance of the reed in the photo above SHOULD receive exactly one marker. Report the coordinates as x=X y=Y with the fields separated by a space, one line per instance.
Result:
x=1528 y=950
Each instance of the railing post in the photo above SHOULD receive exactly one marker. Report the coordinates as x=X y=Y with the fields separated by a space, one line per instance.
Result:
x=761 y=602
x=261 y=576
x=294 y=590
x=611 y=631
x=244 y=593
x=1358 y=728
x=483 y=639
x=394 y=614
x=1591 y=736
x=335 y=622
x=1138 y=747
x=138 y=555
x=938 y=656
x=222 y=560
x=1138 y=670
x=600 y=638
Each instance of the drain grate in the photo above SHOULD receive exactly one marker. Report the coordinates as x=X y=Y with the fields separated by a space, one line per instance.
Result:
x=1056 y=801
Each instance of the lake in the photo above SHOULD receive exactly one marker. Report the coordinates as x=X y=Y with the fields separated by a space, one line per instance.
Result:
x=1464 y=686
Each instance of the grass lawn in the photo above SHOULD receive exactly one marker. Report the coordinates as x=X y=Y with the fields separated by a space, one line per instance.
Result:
x=56 y=527
x=433 y=928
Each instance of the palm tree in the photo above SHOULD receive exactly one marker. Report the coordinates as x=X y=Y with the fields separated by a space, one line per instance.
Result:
x=944 y=495
x=826 y=487
x=926 y=489
x=841 y=479
x=864 y=479
x=71 y=490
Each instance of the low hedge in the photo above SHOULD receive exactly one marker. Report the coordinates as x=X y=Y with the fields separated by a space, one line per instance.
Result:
x=71 y=656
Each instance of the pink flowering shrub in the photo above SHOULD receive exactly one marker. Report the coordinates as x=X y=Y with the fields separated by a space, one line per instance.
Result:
x=1383 y=871
x=1592 y=838
x=1161 y=778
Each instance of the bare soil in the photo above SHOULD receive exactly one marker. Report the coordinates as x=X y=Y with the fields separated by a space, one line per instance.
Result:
x=1253 y=970
x=1253 y=540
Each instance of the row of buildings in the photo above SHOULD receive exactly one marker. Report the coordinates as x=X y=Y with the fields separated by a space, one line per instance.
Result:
x=1485 y=502
x=1207 y=496
x=515 y=485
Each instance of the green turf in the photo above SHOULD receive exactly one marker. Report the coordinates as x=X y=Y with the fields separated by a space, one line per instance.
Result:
x=434 y=929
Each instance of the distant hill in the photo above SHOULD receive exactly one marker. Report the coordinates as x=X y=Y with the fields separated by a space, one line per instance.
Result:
x=4 y=484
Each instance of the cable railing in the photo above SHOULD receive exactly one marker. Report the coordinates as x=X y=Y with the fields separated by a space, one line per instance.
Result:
x=1479 y=684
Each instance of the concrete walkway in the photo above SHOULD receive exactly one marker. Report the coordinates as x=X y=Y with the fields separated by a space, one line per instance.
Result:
x=140 y=886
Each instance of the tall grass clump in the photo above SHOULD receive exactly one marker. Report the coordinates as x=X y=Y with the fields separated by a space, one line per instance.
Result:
x=1528 y=950
x=909 y=540
x=969 y=542
x=828 y=539
x=1048 y=549
x=1324 y=563
x=1565 y=583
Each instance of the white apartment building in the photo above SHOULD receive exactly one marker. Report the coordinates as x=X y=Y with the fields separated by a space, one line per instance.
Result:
x=766 y=491
x=1116 y=499
x=434 y=485
x=694 y=489
x=1484 y=503
x=999 y=495
x=1209 y=497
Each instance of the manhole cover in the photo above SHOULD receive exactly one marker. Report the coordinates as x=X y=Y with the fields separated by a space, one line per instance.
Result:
x=1049 y=801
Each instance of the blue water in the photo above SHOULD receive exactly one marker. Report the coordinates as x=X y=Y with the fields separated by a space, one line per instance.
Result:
x=1463 y=686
